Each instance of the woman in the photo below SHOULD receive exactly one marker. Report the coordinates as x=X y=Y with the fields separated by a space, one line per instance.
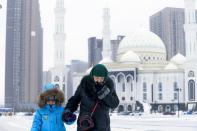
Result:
x=96 y=95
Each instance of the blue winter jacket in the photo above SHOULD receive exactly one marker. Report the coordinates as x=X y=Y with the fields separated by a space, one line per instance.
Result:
x=48 y=119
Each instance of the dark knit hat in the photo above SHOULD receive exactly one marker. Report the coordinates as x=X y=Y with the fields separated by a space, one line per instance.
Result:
x=99 y=70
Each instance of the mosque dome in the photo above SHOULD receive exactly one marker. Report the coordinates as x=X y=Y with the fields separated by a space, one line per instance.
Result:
x=147 y=45
x=130 y=56
x=142 y=40
x=178 y=59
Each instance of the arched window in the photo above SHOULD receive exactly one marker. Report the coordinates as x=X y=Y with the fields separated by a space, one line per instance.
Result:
x=129 y=79
x=160 y=96
x=191 y=90
x=175 y=95
x=123 y=87
x=167 y=108
x=121 y=82
x=160 y=108
x=120 y=108
x=130 y=83
x=123 y=98
x=129 y=108
x=131 y=98
x=144 y=87
x=175 y=86
x=144 y=96
x=120 y=78
x=144 y=91
x=131 y=87
x=160 y=86
x=113 y=79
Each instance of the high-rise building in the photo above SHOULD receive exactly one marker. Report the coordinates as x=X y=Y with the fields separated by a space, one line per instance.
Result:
x=24 y=45
x=95 y=48
x=114 y=47
x=77 y=68
x=168 y=25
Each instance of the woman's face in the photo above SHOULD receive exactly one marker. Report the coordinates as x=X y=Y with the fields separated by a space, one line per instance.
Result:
x=98 y=79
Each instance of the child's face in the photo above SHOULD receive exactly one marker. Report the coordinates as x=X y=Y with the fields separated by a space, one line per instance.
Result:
x=51 y=100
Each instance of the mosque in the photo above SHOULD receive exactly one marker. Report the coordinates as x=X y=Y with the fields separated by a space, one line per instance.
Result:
x=142 y=74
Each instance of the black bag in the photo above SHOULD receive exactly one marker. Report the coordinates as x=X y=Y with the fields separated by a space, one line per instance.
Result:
x=85 y=121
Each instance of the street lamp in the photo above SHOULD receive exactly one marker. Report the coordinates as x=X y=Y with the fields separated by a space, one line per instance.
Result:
x=178 y=90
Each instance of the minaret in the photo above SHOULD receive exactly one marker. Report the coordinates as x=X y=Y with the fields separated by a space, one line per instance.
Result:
x=59 y=71
x=59 y=35
x=190 y=28
x=106 y=33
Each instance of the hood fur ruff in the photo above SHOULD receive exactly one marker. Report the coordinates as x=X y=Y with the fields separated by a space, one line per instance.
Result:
x=59 y=95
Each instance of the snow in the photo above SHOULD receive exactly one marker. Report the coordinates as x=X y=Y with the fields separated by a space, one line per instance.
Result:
x=146 y=122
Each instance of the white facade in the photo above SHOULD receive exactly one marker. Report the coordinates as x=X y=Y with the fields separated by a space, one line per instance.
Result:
x=160 y=86
x=59 y=77
x=76 y=80
x=190 y=28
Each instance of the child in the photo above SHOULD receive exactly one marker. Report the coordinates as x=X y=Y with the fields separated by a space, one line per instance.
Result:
x=49 y=116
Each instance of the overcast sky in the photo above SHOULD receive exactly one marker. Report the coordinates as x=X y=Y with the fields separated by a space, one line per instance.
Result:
x=83 y=19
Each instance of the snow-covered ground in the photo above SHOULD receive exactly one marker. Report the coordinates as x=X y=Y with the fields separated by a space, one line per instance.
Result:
x=153 y=122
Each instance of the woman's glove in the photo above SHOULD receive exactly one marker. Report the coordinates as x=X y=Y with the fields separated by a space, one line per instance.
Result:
x=98 y=86
x=65 y=115
x=103 y=92
x=68 y=117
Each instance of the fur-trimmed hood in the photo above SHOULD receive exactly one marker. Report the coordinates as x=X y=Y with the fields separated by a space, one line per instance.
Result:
x=59 y=95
